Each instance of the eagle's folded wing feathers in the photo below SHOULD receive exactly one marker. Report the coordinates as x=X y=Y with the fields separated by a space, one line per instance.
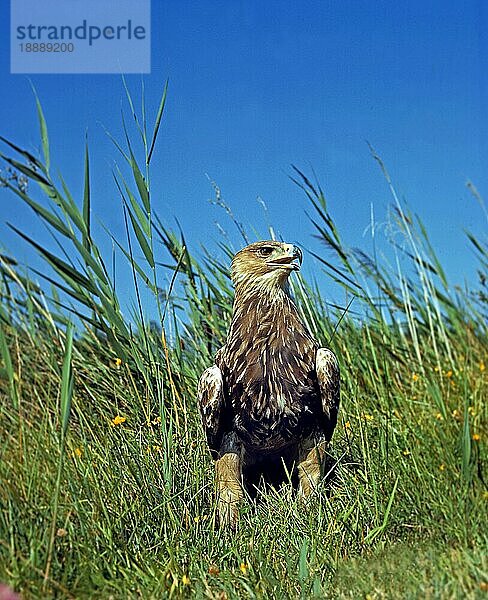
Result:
x=211 y=404
x=329 y=379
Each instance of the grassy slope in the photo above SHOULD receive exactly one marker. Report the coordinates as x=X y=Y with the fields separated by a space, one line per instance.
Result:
x=123 y=507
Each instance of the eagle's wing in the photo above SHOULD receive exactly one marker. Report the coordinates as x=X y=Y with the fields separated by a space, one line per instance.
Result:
x=211 y=403
x=329 y=379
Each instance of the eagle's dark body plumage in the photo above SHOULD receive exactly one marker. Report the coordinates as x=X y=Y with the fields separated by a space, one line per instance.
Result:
x=272 y=394
x=268 y=366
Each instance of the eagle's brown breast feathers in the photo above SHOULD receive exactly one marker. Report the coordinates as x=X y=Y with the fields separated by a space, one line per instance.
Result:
x=268 y=365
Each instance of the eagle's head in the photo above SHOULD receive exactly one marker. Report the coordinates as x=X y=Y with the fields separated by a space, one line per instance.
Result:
x=265 y=265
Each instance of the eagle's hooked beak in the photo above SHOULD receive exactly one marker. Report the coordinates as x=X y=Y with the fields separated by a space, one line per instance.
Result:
x=298 y=254
x=292 y=253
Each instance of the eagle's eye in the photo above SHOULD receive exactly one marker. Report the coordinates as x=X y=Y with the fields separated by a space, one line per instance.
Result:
x=265 y=251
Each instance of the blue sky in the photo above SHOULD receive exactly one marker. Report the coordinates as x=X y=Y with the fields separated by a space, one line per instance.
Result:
x=257 y=86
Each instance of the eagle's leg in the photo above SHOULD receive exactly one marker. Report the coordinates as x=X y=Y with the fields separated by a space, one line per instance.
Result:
x=228 y=476
x=311 y=454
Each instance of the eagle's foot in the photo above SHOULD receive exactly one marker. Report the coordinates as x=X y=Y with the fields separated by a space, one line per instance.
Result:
x=310 y=460
x=229 y=488
x=228 y=507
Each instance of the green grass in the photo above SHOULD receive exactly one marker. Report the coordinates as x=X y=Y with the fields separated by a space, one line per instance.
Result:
x=107 y=486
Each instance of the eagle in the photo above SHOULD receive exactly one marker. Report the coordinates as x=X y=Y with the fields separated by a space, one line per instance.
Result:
x=269 y=402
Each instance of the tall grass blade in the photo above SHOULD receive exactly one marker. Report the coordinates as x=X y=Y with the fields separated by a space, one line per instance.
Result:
x=141 y=184
x=374 y=533
x=49 y=216
x=31 y=159
x=138 y=211
x=466 y=447
x=27 y=171
x=43 y=132
x=159 y=116
x=67 y=381
x=9 y=370
x=60 y=266
x=141 y=238
x=87 y=202
x=67 y=385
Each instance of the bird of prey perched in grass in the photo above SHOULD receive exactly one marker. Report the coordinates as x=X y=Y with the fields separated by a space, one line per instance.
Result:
x=269 y=403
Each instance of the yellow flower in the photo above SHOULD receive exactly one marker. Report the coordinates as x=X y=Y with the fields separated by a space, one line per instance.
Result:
x=476 y=437
x=244 y=568
x=347 y=425
x=117 y=362
x=153 y=448
x=118 y=420
x=439 y=416
x=442 y=467
x=185 y=580
x=199 y=518
x=449 y=373
x=406 y=452
x=78 y=452
x=471 y=410
x=436 y=369
x=481 y=366
x=415 y=377
x=456 y=414
x=368 y=417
